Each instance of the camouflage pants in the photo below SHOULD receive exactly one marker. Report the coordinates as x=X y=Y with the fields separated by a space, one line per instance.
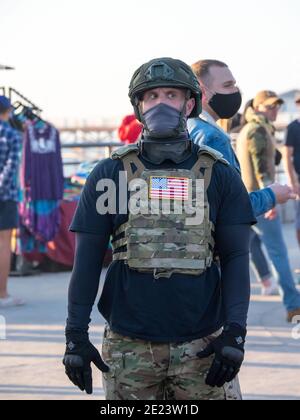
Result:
x=142 y=370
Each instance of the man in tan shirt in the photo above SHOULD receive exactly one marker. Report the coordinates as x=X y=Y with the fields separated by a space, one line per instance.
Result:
x=256 y=152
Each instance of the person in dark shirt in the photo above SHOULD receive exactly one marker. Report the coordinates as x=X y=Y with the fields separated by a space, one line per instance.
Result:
x=292 y=162
x=176 y=323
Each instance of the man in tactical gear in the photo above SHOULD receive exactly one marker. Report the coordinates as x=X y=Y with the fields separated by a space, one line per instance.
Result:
x=164 y=299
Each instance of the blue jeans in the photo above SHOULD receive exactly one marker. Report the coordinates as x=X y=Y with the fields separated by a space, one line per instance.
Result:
x=258 y=259
x=272 y=237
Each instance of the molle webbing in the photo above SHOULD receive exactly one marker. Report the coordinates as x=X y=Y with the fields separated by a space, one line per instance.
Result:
x=164 y=244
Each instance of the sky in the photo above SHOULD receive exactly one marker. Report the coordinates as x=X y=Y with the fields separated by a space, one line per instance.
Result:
x=75 y=58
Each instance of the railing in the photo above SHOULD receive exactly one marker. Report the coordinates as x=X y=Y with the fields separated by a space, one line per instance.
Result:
x=287 y=210
x=76 y=153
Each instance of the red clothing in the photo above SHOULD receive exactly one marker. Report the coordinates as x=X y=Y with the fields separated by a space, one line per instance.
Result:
x=130 y=129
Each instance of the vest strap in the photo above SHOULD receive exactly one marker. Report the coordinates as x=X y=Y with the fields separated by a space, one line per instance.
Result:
x=119 y=243
x=120 y=256
x=121 y=229
x=206 y=163
x=130 y=159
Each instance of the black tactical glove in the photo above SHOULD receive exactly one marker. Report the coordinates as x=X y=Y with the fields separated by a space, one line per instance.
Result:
x=77 y=360
x=229 y=355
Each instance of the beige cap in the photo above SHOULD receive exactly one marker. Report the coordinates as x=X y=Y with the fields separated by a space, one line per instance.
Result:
x=267 y=97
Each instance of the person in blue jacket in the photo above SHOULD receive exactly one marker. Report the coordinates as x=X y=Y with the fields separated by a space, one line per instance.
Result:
x=222 y=100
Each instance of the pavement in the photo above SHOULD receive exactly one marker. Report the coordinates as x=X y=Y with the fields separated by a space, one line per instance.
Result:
x=31 y=355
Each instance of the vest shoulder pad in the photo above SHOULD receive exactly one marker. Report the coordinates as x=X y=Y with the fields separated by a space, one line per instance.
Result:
x=214 y=154
x=125 y=150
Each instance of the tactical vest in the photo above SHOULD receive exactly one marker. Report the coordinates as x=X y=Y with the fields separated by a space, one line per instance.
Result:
x=160 y=243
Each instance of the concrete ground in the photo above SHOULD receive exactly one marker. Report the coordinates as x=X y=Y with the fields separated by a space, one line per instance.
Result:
x=31 y=355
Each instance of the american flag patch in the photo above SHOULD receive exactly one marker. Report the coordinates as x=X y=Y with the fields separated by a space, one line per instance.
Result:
x=170 y=188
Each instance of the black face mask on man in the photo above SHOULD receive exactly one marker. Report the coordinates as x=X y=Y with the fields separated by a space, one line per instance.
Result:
x=163 y=121
x=165 y=135
x=226 y=105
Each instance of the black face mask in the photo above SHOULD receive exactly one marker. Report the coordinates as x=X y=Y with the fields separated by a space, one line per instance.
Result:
x=158 y=151
x=226 y=106
x=165 y=136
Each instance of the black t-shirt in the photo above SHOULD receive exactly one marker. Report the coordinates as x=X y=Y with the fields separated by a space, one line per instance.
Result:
x=293 y=140
x=184 y=307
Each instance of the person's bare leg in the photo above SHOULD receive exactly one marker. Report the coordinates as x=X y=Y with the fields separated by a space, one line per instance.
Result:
x=5 y=257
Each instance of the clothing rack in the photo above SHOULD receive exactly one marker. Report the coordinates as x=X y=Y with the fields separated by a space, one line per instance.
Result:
x=15 y=96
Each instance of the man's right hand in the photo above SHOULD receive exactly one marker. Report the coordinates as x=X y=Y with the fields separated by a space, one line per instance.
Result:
x=228 y=349
x=77 y=361
x=283 y=193
x=271 y=214
x=296 y=189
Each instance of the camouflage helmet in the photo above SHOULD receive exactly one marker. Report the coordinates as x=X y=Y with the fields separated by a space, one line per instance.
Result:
x=164 y=72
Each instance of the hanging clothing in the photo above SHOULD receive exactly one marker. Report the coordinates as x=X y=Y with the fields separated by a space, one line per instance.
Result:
x=42 y=163
x=42 y=183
